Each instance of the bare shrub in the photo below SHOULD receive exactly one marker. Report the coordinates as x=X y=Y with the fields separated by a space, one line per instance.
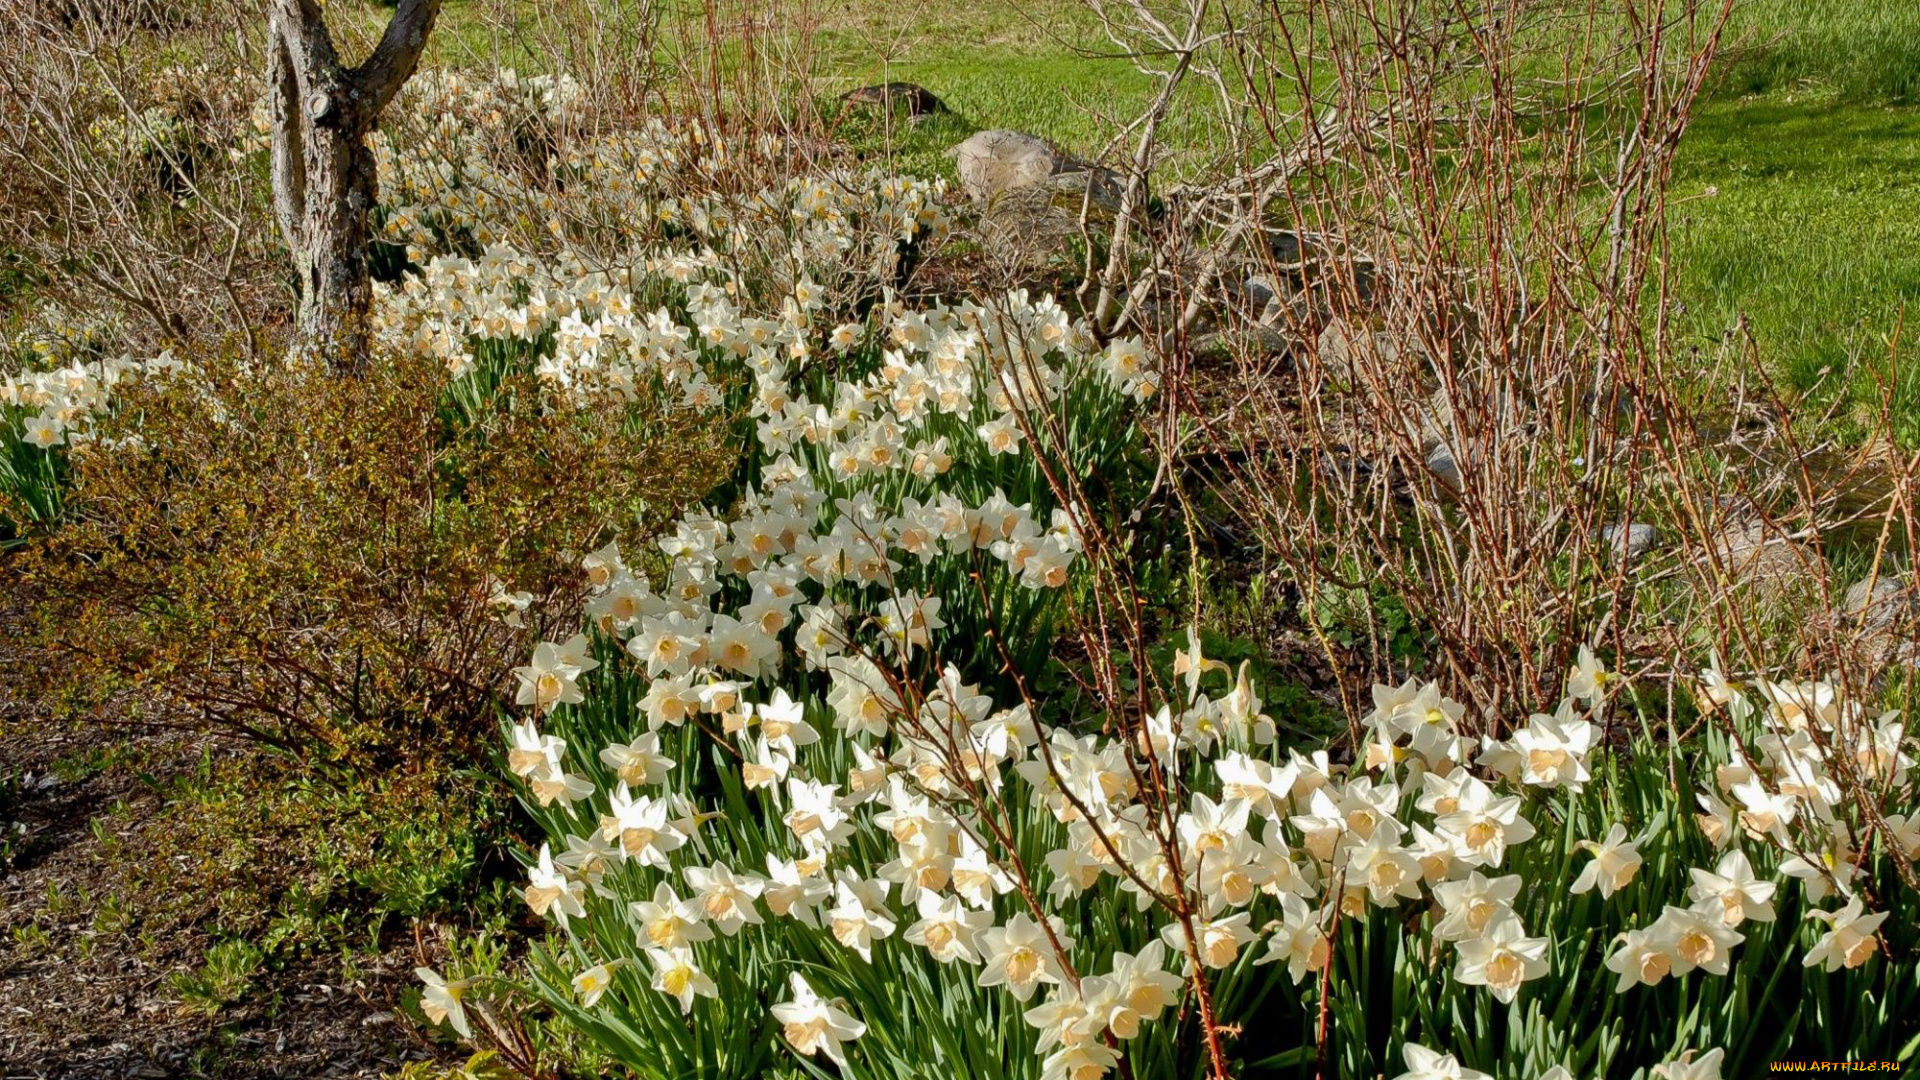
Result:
x=1418 y=344
x=123 y=183
x=1455 y=238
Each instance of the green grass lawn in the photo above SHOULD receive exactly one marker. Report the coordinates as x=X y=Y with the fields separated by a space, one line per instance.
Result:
x=1859 y=51
x=994 y=66
x=1801 y=215
x=1797 y=201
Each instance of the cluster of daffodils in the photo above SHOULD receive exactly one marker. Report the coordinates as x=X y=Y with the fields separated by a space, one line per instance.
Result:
x=1426 y=1064
x=457 y=165
x=499 y=162
x=57 y=405
x=760 y=284
x=497 y=96
x=806 y=240
x=879 y=782
x=53 y=402
x=1823 y=784
x=946 y=380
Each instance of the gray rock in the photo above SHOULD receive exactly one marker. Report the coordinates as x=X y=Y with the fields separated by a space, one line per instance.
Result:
x=1882 y=611
x=1087 y=189
x=1343 y=350
x=1756 y=557
x=1267 y=305
x=1021 y=228
x=1308 y=265
x=1259 y=341
x=1878 y=604
x=1441 y=464
x=1259 y=292
x=1289 y=248
x=1034 y=198
x=993 y=164
x=1630 y=541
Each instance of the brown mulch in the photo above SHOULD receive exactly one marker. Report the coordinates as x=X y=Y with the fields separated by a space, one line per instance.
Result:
x=91 y=1000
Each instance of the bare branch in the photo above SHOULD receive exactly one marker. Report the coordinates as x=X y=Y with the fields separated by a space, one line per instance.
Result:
x=374 y=83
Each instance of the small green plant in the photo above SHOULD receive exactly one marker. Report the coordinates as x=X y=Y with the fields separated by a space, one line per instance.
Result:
x=222 y=980
x=32 y=940
x=1369 y=621
x=112 y=917
x=85 y=764
x=14 y=841
x=61 y=903
x=483 y=1065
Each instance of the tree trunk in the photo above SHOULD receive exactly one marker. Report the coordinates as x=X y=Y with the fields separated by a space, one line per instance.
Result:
x=324 y=180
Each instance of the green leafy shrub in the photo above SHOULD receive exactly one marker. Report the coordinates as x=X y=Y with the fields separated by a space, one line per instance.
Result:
x=223 y=979
x=325 y=564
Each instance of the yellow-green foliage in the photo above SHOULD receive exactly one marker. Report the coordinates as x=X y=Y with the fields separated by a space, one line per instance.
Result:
x=314 y=561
